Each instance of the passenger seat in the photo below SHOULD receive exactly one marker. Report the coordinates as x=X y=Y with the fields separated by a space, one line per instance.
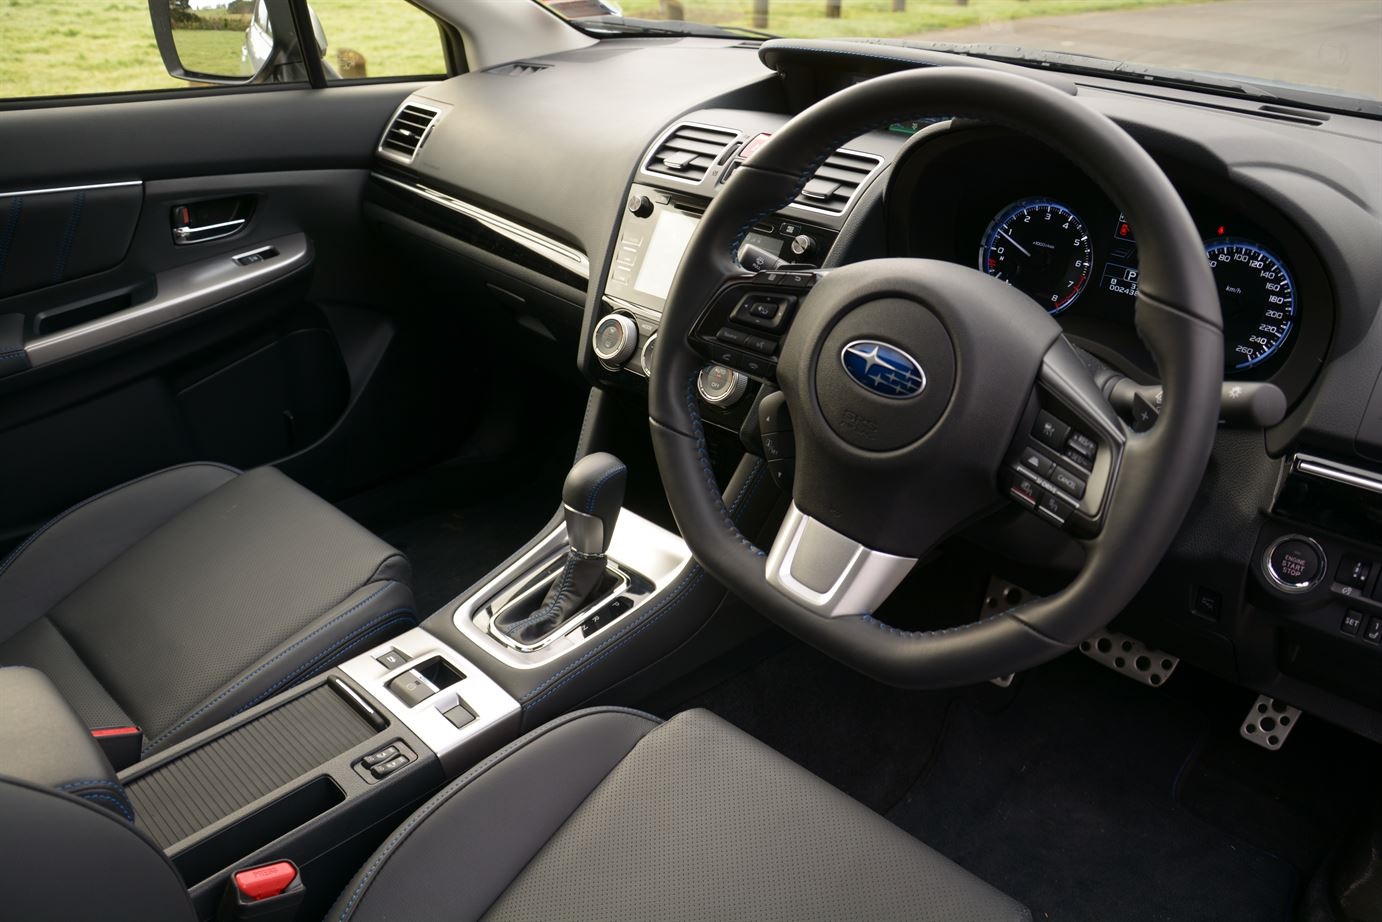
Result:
x=178 y=599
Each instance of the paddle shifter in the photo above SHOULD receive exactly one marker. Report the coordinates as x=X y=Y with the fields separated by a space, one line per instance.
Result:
x=591 y=497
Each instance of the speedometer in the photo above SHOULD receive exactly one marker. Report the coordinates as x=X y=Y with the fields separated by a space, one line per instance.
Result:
x=1258 y=299
x=1040 y=247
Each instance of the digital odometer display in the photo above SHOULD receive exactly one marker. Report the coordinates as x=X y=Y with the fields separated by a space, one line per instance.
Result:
x=1258 y=299
x=1040 y=247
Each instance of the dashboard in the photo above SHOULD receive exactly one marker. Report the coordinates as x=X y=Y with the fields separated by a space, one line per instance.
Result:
x=570 y=187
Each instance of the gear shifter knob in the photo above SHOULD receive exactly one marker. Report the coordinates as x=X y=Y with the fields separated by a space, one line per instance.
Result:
x=592 y=496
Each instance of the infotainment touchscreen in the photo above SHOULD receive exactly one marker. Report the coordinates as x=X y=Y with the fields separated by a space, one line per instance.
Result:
x=665 y=248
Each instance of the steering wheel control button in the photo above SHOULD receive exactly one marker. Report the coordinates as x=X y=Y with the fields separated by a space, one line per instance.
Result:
x=1054 y=508
x=1025 y=490
x=720 y=386
x=1353 y=571
x=1036 y=462
x=1294 y=564
x=615 y=339
x=1352 y=623
x=1067 y=482
x=1082 y=444
x=1050 y=431
x=766 y=312
x=778 y=446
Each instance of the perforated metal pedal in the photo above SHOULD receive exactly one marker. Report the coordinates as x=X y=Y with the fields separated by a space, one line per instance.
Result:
x=1269 y=722
x=1131 y=657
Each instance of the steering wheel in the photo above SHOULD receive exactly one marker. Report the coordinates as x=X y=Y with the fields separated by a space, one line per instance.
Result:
x=916 y=390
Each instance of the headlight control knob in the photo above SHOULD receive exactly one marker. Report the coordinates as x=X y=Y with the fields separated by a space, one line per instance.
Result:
x=803 y=246
x=615 y=339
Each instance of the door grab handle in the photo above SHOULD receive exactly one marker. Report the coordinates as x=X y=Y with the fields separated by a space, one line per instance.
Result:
x=186 y=233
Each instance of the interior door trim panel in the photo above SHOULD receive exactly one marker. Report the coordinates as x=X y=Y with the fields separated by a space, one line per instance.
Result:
x=180 y=293
x=83 y=188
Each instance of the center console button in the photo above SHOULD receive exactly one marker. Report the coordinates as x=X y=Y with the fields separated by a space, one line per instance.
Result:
x=615 y=338
x=1353 y=571
x=1294 y=563
x=1352 y=623
x=383 y=755
x=1373 y=632
x=385 y=769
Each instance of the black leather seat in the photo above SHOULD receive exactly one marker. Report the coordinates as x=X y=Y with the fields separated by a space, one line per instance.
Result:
x=611 y=814
x=603 y=814
x=175 y=600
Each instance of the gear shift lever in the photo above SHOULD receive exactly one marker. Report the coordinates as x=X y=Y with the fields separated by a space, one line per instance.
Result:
x=591 y=498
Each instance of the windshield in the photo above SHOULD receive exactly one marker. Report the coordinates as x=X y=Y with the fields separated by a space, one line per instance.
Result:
x=1334 y=45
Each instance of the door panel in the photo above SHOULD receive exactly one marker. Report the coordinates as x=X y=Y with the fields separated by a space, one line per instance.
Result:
x=135 y=353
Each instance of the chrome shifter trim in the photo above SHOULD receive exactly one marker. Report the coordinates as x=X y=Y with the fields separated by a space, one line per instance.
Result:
x=639 y=548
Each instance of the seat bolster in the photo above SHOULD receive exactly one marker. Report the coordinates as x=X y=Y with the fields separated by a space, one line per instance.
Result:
x=484 y=827
x=67 y=858
x=372 y=613
x=78 y=543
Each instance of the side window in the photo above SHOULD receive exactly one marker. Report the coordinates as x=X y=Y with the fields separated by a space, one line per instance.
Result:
x=377 y=38
x=66 y=48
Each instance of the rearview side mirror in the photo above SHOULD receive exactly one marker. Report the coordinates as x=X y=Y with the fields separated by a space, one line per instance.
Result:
x=230 y=42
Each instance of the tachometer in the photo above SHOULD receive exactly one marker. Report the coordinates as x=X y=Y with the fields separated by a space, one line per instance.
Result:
x=1258 y=300
x=1040 y=247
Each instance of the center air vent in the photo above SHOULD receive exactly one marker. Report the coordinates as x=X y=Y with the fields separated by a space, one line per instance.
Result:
x=835 y=183
x=689 y=151
x=407 y=131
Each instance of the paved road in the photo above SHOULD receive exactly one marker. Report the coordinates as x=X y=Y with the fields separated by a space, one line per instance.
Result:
x=1331 y=43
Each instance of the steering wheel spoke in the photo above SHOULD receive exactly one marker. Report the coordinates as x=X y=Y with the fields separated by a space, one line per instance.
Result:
x=829 y=573
x=1065 y=458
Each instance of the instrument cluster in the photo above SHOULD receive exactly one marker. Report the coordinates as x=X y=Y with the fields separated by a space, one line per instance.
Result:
x=1021 y=212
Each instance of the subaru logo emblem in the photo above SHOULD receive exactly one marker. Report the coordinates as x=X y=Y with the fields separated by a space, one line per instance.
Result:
x=885 y=370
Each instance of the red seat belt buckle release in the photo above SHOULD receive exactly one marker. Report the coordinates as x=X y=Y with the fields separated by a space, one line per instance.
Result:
x=122 y=745
x=266 y=893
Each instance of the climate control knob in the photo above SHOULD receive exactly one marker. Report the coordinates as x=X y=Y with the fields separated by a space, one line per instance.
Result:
x=721 y=386
x=615 y=339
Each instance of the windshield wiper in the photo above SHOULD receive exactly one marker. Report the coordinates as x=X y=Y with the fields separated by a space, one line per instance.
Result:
x=616 y=26
x=1227 y=84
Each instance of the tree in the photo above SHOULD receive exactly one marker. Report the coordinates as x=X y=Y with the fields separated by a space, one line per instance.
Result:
x=832 y=9
x=760 y=14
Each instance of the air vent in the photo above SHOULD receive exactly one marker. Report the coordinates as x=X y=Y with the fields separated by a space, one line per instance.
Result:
x=518 y=69
x=835 y=182
x=408 y=130
x=689 y=151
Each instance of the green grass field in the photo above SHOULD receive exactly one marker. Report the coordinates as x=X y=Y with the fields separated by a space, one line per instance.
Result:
x=62 y=47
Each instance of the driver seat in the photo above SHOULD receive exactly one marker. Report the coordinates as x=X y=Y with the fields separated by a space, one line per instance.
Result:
x=602 y=814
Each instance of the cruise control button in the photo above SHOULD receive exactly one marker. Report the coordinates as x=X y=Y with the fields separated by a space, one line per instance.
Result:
x=1352 y=623
x=1067 y=482
x=1036 y=462
x=1353 y=571
x=1083 y=444
x=1050 y=431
